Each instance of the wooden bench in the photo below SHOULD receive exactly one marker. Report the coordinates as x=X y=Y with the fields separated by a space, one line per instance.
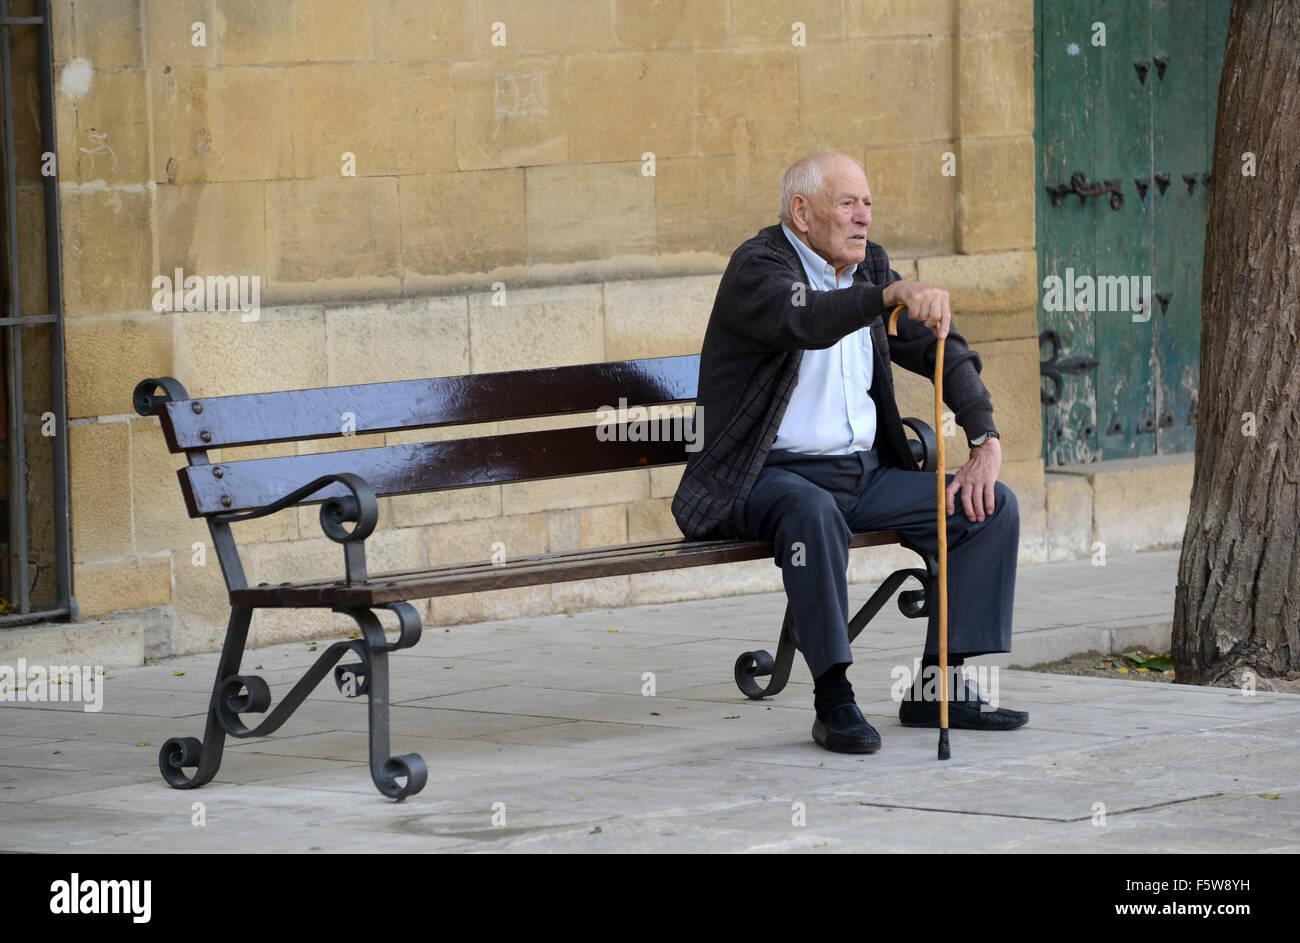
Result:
x=347 y=485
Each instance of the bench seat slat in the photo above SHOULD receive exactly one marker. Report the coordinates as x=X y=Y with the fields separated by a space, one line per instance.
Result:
x=454 y=579
x=295 y=415
x=650 y=548
x=602 y=553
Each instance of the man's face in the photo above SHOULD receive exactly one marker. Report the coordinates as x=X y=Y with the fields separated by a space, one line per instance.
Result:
x=834 y=222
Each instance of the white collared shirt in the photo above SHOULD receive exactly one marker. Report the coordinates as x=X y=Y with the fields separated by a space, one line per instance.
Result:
x=831 y=411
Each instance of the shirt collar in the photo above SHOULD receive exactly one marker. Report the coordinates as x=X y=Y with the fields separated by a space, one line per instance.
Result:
x=813 y=264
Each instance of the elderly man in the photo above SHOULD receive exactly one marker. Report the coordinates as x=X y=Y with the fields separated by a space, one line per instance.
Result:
x=810 y=447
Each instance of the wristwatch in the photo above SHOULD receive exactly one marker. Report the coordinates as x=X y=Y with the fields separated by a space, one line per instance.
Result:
x=980 y=439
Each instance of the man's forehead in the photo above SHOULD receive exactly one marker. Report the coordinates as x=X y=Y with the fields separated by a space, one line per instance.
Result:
x=847 y=181
x=840 y=189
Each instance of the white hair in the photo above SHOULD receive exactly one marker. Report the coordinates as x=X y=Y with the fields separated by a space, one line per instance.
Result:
x=804 y=178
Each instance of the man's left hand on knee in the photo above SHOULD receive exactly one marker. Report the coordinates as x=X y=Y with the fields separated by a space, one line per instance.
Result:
x=976 y=480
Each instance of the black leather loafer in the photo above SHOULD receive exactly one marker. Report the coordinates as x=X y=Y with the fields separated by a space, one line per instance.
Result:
x=845 y=730
x=971 y=712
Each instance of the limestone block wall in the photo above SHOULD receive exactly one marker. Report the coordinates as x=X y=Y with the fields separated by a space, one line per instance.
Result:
x=382 y=166
x=1119 y=507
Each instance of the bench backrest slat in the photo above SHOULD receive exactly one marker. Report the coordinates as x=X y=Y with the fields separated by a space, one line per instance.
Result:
x=295 y=415
x=230 y=487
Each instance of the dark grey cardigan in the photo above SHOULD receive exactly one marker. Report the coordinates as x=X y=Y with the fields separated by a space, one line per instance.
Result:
x=749 y=366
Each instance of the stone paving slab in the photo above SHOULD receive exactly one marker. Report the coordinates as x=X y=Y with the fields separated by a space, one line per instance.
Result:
x=538 y=738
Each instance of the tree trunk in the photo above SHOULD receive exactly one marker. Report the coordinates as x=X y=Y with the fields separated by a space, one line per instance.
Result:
x=1237 y=606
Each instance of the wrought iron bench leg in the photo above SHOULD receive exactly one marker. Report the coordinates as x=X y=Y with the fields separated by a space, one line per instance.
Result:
x=233 y=694
x=760 y=664
x=178 y=753
x=395 y=776
x=912 y=603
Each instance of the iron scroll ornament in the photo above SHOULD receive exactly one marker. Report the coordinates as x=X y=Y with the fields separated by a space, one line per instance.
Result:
x=1084 y=188
x=913 y=603
x=395 y=776
x=1054 y=366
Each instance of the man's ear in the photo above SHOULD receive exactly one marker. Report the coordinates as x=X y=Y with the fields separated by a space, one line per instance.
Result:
x=799 y=213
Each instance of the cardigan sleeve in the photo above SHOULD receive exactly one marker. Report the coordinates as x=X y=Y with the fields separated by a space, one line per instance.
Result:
x=765 y=303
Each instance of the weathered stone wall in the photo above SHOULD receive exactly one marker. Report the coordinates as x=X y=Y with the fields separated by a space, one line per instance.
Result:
x=600 y=163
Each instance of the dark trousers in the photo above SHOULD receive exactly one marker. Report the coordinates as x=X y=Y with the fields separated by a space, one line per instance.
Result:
x=810 y=507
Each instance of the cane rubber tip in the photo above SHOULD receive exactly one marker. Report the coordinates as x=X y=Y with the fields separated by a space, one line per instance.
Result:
x=944 y=752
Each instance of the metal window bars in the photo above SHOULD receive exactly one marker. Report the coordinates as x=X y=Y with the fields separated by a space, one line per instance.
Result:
x=19 y=578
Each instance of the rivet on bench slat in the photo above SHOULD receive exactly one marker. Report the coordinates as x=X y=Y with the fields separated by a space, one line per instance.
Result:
x=205 y=435
x=197 y=407
x=217 y=472
x=225 y=501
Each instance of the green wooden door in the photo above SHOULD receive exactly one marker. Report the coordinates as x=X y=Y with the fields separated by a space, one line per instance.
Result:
x=1126 y=94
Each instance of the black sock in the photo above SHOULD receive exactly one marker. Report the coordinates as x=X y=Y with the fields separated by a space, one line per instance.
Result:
x=932 y=661
x=832 y=689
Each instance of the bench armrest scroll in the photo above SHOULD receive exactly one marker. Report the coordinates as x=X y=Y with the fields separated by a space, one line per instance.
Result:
x=925 y=448
x=360 y=506
x=148 y=402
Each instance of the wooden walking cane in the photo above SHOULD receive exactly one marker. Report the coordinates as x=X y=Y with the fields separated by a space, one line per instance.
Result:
x=944 y=751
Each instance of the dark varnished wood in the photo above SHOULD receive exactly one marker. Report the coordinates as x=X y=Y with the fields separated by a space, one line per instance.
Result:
x=429 y=466
x=527 y=571
x=295 y=415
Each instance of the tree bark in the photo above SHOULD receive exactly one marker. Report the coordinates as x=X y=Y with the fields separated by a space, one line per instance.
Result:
x=1237 y=605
